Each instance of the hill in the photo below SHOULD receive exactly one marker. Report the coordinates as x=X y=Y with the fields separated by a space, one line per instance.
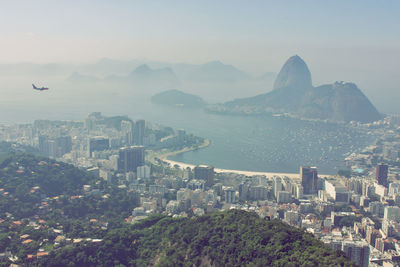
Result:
x=231 y=238
x=25 y=179
x=144 y=72
x=39 y=195
x=178 y=99
x=294 y=94
x=143 y=75
x=8 y=148
x=338 y=102
x=294 y=73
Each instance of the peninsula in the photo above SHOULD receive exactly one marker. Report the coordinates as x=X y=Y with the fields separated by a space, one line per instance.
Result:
x=294 y=95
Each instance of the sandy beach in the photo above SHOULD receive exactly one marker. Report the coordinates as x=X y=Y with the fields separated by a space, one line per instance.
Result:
x=164 y=157
x=247 y=173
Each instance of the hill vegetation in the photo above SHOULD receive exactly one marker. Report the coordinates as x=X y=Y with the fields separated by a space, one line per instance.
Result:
x=27 y=179
x=9 y=147
x=231 y=238
x=39 y=195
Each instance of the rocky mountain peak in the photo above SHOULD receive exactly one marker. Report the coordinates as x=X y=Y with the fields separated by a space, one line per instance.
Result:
x=142 y=69
x=294 y=73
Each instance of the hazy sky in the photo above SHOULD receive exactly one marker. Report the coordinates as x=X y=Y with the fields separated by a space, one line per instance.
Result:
x=339 y=40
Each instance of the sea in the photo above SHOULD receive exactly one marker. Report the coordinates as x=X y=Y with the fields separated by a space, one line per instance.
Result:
x=266 y=143
x=251 y=143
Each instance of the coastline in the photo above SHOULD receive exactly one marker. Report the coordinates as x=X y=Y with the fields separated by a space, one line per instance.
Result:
x=247 y=173
x=269 y=175
x=164 y=154
x=164 y=157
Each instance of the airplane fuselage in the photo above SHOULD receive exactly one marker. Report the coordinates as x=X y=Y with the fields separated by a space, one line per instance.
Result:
x=39 y=88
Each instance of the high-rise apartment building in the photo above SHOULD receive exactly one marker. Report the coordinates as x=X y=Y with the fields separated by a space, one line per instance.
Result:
x=98 y=143
x=130 y=158
x=230 y=195
x=357 y=251
x=138 y=133
x=205 y=173
x=127 y=131
x=381 y=174
x=309 y=179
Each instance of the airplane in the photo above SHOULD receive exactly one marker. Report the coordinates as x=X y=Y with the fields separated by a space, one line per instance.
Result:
x=39 y=88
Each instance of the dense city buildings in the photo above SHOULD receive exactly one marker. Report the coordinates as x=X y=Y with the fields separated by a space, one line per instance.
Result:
x=54 y=147
x=356 y=211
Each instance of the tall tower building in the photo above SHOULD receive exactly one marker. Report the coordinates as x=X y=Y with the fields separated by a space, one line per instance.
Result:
x=277 y=186
x=138 y=133
x=130 y=158
x=64 y=145
x=89 y=124
x=205 y=173
x=381 y=174
x=44 y=145
x=244 y=191
x=309 y=179
x=127 y=131
x=230 y=195
x=98 y=143
x=52 y=145
x=357 y=251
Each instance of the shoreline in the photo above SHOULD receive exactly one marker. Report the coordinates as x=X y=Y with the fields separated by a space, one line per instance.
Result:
x=246 y=173
x=164 y=158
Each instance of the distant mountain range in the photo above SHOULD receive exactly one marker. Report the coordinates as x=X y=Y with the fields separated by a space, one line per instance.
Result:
x=213 y=71
x=294 y=95
x=214 y=80
x=143 y=74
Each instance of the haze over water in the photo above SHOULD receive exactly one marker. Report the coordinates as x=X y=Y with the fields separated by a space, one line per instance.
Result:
x=258 y=143
x=355 y=41
x=265 y=143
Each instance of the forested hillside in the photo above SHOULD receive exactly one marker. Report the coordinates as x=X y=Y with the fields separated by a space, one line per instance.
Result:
x=231 y=238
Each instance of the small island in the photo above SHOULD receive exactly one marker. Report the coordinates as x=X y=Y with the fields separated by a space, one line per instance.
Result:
x=178 y=98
